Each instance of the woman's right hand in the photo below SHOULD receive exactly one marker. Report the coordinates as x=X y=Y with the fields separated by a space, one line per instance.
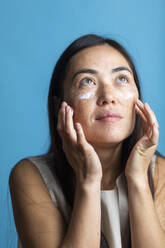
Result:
x=79 y=153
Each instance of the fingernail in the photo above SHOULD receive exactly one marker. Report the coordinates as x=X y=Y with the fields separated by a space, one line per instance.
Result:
x=67 y=108
x=77 y=125
x=71 y=110
x=148 y=106
x=139 y=101
x=156 y=126
x=62 y=104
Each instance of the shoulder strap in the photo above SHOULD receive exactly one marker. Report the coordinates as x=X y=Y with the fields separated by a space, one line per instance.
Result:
x=53 y=186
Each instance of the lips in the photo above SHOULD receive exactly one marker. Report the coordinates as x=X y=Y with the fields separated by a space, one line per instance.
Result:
x=108 y=114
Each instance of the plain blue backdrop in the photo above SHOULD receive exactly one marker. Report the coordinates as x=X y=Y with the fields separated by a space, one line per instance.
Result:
x=33 y=35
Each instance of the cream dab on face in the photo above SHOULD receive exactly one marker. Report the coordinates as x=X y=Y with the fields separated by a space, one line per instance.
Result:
x=86 y=96
x=129 y=95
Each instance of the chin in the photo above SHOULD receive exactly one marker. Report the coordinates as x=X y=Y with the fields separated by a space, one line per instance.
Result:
x=107 y=141
x=105 y=145
x=108 y=136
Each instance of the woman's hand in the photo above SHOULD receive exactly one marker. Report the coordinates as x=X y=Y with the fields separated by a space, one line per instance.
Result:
x=80 y=154
x=141 y=154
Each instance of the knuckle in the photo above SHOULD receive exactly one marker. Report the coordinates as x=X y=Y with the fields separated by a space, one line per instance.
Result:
x=84 y=149
x=60 y=110
x=59 y=129
x=64 y=148
x=58 y=126
x=67 y=132
x=80 y=146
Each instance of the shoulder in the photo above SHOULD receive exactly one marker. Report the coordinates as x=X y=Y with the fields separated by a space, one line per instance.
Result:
x=26 y=178
x=160 y=161
x=159 y=184
x=25 y=172
x=34 y=212
x=159 y=175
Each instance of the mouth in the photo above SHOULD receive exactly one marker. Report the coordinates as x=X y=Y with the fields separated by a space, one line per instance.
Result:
x=109 y=116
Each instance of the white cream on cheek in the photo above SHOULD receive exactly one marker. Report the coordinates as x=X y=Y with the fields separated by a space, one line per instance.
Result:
x=128 y=95
x=86 y=96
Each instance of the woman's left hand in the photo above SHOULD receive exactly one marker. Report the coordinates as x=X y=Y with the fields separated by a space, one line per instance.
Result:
x=141 y=154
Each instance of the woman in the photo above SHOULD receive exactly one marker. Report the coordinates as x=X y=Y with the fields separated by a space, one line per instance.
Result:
x=97 y=185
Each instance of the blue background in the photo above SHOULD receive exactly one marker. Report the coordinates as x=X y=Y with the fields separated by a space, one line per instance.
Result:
x=33 y=35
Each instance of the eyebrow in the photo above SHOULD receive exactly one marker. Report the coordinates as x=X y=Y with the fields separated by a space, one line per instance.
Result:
x=92 y=71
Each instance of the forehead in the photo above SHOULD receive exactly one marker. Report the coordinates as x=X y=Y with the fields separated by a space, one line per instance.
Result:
x=100 y=57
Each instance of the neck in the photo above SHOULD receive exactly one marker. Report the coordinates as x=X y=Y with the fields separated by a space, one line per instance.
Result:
x=111 y=165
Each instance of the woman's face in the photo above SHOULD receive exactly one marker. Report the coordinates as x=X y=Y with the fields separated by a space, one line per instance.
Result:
x=99 y=79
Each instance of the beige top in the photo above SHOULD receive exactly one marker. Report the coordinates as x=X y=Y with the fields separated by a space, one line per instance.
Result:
x=114 y=205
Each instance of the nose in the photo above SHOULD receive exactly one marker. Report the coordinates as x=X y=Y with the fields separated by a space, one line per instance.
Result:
x=106 y=96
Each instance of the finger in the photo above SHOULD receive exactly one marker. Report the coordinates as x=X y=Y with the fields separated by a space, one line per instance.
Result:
x=149 y=114
x=63 y=112
x=140 y=113
x=140 y=104
x=81 y=140
x=69 y=127
x=151 y=119
x=149 y=131
x=142 y=109
x=61 y=122
x=143 y=117
x=155 y=134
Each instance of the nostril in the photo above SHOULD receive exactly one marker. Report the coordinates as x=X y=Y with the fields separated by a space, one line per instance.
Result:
x=104 y=101
x=106 y=96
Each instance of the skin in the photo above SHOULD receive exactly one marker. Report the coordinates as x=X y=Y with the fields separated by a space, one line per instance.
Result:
x=97 y=93
x=117 y=96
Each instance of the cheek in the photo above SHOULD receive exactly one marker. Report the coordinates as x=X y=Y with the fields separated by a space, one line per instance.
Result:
x=75 y=99
x=87 y=95
x=83 y=105
x=83 y=100
x=129 y=97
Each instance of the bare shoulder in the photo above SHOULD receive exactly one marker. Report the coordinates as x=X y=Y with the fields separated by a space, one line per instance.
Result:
x=159 y=179
x=38 y=222
x=159 y=175
x=161 y=161
x=26 y=173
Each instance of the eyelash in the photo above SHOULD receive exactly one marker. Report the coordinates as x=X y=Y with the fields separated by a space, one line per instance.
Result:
x=124 y=76
x=87 y=79
x=121 y=76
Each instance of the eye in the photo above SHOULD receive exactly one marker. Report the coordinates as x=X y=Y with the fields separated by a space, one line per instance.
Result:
x=86 y=81
x=122 y=79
